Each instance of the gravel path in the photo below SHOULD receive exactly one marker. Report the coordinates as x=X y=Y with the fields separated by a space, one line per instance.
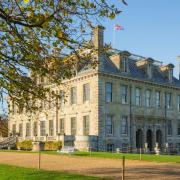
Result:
x=95 y=166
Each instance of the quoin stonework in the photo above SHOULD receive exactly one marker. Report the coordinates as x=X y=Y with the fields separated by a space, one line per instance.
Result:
x=127 y=102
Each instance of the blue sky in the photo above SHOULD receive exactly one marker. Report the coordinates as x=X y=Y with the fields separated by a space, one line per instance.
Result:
x=152 y=29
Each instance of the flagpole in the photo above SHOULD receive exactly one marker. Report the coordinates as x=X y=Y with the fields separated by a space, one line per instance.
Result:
x=114 y=35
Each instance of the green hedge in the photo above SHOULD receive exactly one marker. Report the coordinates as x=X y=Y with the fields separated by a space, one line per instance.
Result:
x=24 y=145
x=52 y=145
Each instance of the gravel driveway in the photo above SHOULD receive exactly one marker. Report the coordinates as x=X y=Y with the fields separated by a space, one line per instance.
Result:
x=100 y=167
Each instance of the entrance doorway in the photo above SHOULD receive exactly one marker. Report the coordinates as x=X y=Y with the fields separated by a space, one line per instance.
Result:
x=139 y=138
x=149 y=139
x=159 y=138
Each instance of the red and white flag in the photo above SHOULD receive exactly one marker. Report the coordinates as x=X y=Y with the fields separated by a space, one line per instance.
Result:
x=118 y=27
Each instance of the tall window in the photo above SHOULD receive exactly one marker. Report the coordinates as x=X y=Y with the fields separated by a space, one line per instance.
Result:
x=168 y=100
x=108 y=92
x=35 y=129
x=124 y=94
x=62 y=125
x=86 y=125
x=21 y=130
x=148 y=98
x=62 y=98
x=124 y=64
x=109 y=125
x=73 y=126
x=169 y=127
x=178 y=128
x=124 y=125
x=157 y=98
x=86 y=92
x=42 y=128
x=178 y=102
x=14 y=129
x=73 y=95
x=28 y=129
x=51 y=128
x=138 y=97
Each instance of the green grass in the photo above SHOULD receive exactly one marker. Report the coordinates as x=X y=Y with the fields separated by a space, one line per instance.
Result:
x=18 y=173
x=145 y=157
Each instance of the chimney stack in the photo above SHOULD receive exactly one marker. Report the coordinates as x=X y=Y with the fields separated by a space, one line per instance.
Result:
x=98 y=37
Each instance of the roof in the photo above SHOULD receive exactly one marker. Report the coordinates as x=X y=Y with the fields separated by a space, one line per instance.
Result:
x=138 y=73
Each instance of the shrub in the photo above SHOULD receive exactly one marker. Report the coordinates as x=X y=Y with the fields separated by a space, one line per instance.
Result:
x=24 y=145
x=53 y=145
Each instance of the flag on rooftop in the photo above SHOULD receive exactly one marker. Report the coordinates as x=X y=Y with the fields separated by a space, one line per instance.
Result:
x=118 y=27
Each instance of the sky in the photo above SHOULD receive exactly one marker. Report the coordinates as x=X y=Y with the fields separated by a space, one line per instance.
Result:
x=151 y=29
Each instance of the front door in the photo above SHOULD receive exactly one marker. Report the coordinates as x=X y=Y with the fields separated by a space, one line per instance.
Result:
x=149 y=139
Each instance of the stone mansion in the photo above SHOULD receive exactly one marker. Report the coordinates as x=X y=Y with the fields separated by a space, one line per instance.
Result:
x=128 y=101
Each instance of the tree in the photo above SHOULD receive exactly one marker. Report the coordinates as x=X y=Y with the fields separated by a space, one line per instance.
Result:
x=35 y=36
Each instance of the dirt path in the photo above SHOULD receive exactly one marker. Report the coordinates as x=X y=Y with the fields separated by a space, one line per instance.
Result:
x=95 y=166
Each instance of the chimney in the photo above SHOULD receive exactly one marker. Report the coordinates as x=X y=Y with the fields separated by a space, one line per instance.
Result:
x=98 y=37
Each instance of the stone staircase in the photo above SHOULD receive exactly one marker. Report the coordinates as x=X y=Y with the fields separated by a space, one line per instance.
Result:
x=8 y=142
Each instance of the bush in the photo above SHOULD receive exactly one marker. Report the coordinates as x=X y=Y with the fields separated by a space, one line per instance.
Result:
x=52 y=145
x=24 y=145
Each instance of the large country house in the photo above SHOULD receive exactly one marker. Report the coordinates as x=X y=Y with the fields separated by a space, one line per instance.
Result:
x=128 y=101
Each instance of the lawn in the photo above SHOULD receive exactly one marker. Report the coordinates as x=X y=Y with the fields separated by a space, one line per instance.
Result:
x=144 y=157
x=18 y=173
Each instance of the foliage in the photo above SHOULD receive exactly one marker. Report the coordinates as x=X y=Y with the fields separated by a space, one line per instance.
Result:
x=24 y=145
x=20 y=173
x=35 y=36
x=53 y=145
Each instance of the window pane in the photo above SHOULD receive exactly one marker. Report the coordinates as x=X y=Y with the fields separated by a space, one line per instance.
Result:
x=178 y=128
x=73 y=95
x=124 y=93
x=42 y=128
x=158 y=96
x=73 y=126
x=169 y=127
x=148 y=98
x=178 y=99
x=28 y=133
x=137 y=97
x=86 y=125
x=109 y=125
x=62 y=99
x=35 y=129
x=51 y=128
x=124 y=125
x=21 y=130
x=86 y=92
x=62 y=126
x=108 y=92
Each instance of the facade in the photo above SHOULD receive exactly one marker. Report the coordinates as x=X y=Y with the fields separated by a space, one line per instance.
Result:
x=128 y=101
